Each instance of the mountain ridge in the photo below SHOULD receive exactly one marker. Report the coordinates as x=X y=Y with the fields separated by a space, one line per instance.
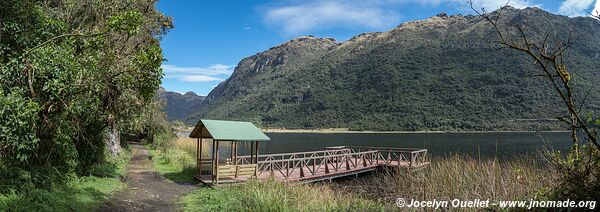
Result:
x=178 y=106
x=442 y=73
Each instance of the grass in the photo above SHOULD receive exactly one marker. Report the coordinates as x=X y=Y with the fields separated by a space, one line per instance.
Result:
x=85 y=193
x=175 y=165
x=176 y=162
x=81 y=194
x=275 y=196
x=465 y=178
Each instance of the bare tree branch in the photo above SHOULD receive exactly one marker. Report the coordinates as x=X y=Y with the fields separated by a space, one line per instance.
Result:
x=552 y=67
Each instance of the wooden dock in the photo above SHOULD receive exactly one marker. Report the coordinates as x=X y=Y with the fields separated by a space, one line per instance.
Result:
x=333 y=162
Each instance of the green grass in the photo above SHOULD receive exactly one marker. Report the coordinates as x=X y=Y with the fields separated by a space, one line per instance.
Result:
x=82 y=194
x=175 y=165
x=85 y=193
x=275 y=196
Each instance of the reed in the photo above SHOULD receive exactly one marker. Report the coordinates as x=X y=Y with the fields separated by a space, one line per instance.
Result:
x=276 y=196
x=465 y=178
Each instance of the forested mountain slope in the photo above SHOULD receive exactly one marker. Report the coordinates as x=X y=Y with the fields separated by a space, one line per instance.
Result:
x=443 y=73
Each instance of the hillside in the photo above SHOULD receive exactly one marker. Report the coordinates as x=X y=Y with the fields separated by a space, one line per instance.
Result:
x=442 y=73
x=179 y=106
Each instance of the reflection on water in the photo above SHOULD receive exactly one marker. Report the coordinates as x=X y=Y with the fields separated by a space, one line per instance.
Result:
x=499 y=144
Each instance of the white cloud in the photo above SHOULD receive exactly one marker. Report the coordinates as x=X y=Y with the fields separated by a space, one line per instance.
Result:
x=300 y=17
x=198 y=78
x=491 y=5
x=596 y=10
x=575 y=7
x=215 y=72
x=311 y=15
x=216 y=69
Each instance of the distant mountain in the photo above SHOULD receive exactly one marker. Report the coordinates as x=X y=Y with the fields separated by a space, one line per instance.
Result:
x=442 y=73
x=178 y=106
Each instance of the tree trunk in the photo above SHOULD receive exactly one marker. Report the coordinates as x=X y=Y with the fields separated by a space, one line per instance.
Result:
x=113 y=140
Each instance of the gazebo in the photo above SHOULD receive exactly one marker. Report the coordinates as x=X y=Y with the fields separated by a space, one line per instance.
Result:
x=226 y=132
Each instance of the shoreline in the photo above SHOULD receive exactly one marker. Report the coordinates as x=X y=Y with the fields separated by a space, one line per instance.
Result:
x=339 y=130
x=347 y=131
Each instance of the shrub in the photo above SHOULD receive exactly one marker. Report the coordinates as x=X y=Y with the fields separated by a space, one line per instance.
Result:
x=579 y=174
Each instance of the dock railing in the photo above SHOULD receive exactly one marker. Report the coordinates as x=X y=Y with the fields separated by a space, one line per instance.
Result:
x=414 y=156
x=299 y=165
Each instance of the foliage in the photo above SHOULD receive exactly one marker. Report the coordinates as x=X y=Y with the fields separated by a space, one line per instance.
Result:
x=72 y=72
x=275 y=196
x=17 y=135
x=579 y=174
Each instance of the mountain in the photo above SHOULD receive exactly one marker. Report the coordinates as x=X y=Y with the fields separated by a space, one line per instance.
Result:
x=443 y=73
x=178 y=106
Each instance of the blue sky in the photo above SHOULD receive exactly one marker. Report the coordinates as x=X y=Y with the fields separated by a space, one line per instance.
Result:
x=211 y=37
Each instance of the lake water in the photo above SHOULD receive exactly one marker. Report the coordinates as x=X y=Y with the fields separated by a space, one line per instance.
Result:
x=493 y=144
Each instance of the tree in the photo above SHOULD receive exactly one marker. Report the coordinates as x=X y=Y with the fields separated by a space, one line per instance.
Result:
x=73 y=75
x=581 y=167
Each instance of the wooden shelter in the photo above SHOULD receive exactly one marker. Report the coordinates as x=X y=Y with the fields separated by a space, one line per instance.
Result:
x=223 y=132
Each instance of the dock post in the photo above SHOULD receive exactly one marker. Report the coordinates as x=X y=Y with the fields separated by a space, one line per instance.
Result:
x=287 y=170
x=314 y=171
x=301 y=169
x=347 y=164
x=326 y=166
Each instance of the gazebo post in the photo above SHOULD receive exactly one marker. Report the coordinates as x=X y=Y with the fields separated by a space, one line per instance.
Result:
x=235 y=149
x=231 y=153
x=213 y=161
x=199 y=155
x=251 y=153
x=256 y=169
x=217 y=165
x=256 y=152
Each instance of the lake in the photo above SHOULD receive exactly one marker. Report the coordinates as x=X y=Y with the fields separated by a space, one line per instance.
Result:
x=488 y=144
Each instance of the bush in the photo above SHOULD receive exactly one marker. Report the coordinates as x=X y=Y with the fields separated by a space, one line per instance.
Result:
x=579 y=174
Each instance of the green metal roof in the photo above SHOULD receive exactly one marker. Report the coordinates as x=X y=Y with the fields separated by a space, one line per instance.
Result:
x=228 y=131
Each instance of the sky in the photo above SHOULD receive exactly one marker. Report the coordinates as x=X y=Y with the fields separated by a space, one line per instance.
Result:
x=211 y=37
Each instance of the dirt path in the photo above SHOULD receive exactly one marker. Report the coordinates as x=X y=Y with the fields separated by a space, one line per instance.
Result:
x=147 y=190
